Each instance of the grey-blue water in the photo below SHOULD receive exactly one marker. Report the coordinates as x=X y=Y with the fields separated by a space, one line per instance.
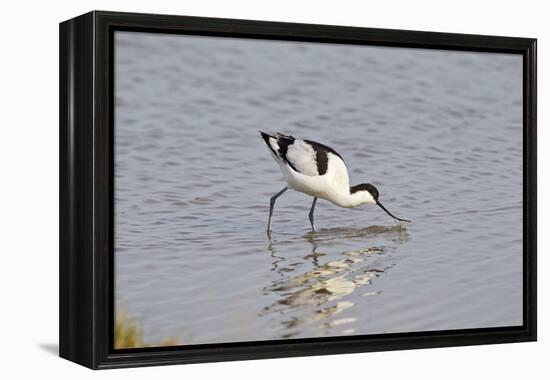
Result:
x=438 y=132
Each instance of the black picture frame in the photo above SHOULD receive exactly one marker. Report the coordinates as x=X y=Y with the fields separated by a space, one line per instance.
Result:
x=86 y=189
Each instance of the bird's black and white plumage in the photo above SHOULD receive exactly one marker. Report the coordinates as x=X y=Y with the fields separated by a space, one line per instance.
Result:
x=304 y=156
x=317 y=170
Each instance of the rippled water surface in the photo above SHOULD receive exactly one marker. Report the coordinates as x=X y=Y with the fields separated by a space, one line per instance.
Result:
x=438 y=132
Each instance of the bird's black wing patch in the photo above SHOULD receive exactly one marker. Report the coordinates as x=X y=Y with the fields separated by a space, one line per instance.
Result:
x=321 y=156
x=284 y=141
x=266 y=138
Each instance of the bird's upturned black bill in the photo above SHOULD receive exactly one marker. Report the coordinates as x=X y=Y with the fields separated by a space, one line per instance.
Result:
x=390 y=214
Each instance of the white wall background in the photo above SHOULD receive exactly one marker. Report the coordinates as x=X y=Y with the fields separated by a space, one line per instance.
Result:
x=29 y=186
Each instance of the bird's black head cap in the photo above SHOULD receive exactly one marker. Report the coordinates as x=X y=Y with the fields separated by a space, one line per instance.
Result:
x=368 y=187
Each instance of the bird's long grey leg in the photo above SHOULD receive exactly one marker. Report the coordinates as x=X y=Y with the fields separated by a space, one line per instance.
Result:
x=271 y=205
x=311 y=214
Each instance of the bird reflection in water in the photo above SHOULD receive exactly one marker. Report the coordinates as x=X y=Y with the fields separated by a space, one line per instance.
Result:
x=314 y=301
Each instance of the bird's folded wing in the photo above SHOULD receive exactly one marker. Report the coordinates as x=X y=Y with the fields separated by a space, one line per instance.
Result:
x=302 y=157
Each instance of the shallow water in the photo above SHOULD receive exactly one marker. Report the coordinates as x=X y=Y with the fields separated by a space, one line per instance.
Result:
x=437 y=132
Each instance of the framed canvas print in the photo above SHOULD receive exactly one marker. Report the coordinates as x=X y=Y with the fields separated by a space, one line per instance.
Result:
x=236 y=189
